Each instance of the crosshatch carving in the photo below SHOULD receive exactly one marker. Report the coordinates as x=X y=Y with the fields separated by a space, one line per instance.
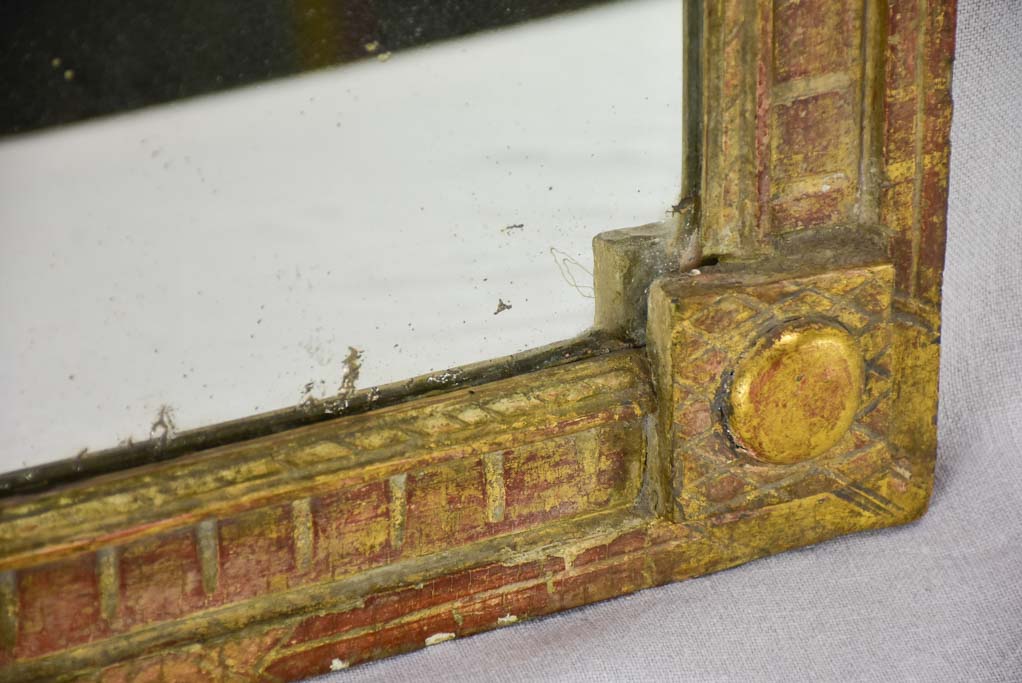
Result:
x=818 y=211
x=710 y=321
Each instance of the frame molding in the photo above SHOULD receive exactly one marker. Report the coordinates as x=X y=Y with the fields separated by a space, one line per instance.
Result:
x=308 y=540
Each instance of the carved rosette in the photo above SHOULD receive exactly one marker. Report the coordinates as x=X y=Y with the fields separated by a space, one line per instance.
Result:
x=785 y=396
x=779 y=387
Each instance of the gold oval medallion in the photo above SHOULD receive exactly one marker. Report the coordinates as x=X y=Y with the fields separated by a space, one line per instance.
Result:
x=796 y=393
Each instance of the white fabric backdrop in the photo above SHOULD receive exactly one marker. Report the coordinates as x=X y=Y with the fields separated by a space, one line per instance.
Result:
x=938 y=600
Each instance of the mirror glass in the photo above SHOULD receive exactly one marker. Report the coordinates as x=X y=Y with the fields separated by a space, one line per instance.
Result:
x=215 y=209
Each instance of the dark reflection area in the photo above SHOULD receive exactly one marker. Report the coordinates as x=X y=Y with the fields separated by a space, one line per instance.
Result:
x=67 y=60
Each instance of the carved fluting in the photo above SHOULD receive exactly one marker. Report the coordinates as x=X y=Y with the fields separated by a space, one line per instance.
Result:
x=9 y=607
x=436 y=475
x=108 y=574
x=493 y=474
x=344 y=541
x=791 y=112
x=207 y=537
x=728 y=225
x=397 y=508
x=303 y=532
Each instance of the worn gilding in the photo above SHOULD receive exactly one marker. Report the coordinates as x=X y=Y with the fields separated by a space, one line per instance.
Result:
x=786 y=394
x=796 y=393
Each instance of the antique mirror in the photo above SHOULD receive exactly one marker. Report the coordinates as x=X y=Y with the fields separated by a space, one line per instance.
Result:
x=216 y=210
x=337 y=329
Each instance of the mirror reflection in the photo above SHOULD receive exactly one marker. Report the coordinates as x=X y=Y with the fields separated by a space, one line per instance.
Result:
x=403 y=209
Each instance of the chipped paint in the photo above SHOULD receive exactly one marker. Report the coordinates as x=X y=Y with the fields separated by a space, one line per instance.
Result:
x=438 y=638
x=352 y=538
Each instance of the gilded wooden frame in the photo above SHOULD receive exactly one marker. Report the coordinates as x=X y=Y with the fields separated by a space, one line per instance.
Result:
x=762 y=375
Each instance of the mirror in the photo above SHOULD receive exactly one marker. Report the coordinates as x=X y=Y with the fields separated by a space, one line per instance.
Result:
x=211 y=210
